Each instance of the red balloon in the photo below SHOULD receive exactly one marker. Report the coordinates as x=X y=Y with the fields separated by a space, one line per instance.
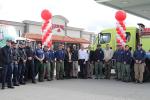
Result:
x=46 y=15
x=118 y=41
x=120 y=15
x=119 y=32
x=121 y=23
x=124 y=27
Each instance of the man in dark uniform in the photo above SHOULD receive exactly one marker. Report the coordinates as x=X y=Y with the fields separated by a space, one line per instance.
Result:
x=99 y=57
x=46 y=62
x=52 y=62
x=60 y=56
x=118 y=56
x=30 y=69
x=39 y=55
x=127 y=57
x=139 y=67
x=15 y=58
x=6 y=64
x=22 y=63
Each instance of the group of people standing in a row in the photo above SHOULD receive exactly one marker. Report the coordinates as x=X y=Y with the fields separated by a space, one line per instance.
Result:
x=22 y=62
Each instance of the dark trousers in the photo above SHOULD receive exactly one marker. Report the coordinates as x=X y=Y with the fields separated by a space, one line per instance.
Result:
x=30 y=70
x=107 y=69
x=15 y=73
x=83 y=70
x=7 y=75
x=21 y=71
x=67 y=69
x=52 y=65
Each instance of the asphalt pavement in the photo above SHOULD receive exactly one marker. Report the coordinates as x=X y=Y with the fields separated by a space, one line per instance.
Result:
x=78 y=89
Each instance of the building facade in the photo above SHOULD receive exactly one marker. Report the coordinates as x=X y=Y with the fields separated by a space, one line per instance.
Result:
x=62 y=33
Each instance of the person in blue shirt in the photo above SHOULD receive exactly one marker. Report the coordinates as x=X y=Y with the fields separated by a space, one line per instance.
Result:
x=46 y=63
x=118 y=61
x=127 y=58
x=39 y=56
x=60 y=56
x=52 y=62
x=139 y=67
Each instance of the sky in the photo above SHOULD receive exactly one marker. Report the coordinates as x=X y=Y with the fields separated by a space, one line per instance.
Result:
x=85 y=14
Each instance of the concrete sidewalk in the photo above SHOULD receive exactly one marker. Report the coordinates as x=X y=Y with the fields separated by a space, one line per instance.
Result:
x=89 y=89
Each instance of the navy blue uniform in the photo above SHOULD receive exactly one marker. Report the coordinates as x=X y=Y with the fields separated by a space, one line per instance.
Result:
x=60 y=56
x=127 y=58
x=118 y=55
x=39 y=65
x=139 y=55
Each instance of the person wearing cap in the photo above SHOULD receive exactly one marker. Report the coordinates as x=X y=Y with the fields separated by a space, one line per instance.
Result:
x=75 y=62
x=22 y=63
x=99 y=57
x=139 y=67
x=118 y=55
x=127 y=58
x=30 y=69
x=52 y=62
x=46 y=62
x=60 y=56
x=108 y=54
x=39 y=56
x=15 y=58
x=7 y=65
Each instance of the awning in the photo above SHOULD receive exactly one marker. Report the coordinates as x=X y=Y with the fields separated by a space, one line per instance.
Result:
x=56 y=38
x=139 y=8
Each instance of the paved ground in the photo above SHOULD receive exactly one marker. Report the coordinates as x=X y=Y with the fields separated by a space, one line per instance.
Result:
x=79 y=90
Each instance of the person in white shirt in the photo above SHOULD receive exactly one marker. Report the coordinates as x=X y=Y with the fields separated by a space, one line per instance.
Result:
x=82 y=61
x=108 y=54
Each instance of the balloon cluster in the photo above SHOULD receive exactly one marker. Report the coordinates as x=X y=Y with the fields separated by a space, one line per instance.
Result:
x=121 y=28
x=46 y=28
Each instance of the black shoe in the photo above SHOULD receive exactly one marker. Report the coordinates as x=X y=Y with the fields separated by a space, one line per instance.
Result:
x=11 y=87
x=34 y=82
x=16 y=85
x=48 y=79
x=3 y=87
x=22 y=83
x=96 y=78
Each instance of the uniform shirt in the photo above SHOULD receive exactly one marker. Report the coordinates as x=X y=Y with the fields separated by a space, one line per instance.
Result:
x=139 y=55
x=60 y=55
x=82 y=54
x=46 y=56
x=39 y=53
x=51 y=55
x=127 y=57
x=118 y=55
x=99 y=54
x=108 y=54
